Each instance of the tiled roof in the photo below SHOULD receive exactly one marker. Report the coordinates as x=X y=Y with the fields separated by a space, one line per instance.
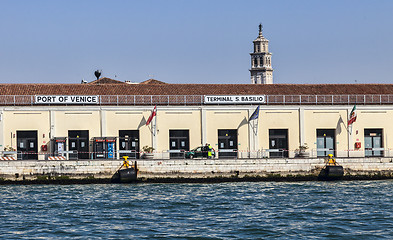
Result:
x=105 y=80
x=194 y=89
x=152 y=81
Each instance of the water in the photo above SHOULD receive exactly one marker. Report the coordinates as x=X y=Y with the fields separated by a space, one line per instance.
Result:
x=264 y=210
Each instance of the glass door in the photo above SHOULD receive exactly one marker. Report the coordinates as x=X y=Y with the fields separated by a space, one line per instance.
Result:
x=373 y=142
x=325 y=142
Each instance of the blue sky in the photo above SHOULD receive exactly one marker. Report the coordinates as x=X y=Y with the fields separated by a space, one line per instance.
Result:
x=204 y=41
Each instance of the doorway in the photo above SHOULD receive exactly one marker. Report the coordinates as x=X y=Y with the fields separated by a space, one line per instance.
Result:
x=78 y=140
x=227 y=143
x=129 y=143
x=27 y=145
x=326 y=142
x=179 y=142
x=373 y=144
x=278 y=143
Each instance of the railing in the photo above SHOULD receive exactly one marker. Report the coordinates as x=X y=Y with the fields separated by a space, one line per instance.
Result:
x=118 y=100
x=220 y=154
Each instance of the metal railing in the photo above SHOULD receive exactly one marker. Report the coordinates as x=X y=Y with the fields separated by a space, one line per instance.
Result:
x=118 y=100
x=219 y=154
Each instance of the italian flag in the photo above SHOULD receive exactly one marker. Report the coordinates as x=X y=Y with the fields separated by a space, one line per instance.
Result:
x=153 y=114
x=352 y=116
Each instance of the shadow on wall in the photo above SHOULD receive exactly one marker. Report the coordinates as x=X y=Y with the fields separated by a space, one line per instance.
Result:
x=242 y=123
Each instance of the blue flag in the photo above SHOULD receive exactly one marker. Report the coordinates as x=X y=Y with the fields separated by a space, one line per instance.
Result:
x=255 y=114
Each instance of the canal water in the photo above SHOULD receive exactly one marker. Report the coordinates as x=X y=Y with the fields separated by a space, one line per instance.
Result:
x=262 y=210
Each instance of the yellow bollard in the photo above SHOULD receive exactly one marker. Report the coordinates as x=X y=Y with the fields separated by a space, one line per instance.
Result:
x=126 y=164
x=331 y=160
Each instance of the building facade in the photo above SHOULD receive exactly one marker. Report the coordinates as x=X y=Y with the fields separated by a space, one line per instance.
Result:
x=107 y=119
x=261 y=61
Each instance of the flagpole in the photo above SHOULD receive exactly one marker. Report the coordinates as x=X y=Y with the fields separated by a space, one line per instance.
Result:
x=154 y=126
x=256 y=137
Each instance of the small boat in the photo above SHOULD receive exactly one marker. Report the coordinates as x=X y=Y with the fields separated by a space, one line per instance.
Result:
x=126 y=173
x=331 y=171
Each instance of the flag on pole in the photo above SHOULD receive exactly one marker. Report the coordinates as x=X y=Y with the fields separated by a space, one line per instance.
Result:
x=152 y=115
x=255 y=114
x=352 y=116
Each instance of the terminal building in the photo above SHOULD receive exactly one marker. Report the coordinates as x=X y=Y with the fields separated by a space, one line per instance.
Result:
x=107 y=119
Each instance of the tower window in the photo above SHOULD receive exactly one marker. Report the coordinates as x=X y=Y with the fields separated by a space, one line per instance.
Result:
x=255 y=62
x=258 y=47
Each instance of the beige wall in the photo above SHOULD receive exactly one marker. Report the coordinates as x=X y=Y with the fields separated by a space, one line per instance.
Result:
x=279 y=119
x=372 y=119
x=107 y=122
x=77 y=120
x=182 y=119
x=326 y=119
x=14 y=121
x=115 y=120
x=227 y=119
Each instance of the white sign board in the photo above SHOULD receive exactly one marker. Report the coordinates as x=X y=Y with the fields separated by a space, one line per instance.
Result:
x=235 y=99
x=66 y=99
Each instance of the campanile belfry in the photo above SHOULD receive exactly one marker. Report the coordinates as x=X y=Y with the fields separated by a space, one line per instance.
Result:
x=261 y=61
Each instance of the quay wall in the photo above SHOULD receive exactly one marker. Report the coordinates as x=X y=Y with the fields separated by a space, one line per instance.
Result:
x=192 y=169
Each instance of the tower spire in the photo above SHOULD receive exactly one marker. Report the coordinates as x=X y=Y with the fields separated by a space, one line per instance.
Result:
x=261 y=67
x=260 y=29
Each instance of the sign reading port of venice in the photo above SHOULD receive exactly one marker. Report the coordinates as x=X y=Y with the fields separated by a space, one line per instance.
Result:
x=66 y=99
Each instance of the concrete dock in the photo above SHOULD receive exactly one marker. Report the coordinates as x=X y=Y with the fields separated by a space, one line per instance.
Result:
x=183 y=170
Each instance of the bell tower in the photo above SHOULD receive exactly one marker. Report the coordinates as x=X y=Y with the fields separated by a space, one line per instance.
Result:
x=261 y=61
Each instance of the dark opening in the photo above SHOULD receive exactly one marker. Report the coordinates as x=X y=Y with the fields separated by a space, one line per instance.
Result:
x=179 y=142
x=129 y=143
x=227 y=143
x=27 y=145
x=278 y=142
x=78 y=140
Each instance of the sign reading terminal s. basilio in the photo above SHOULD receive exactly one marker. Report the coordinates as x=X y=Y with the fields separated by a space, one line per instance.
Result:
x=66 y=99
x=235 y=99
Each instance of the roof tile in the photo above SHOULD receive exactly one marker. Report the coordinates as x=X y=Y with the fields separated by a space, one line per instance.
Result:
x=194 y=89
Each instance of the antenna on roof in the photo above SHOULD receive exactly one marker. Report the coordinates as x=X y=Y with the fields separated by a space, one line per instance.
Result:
x=97 y=73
